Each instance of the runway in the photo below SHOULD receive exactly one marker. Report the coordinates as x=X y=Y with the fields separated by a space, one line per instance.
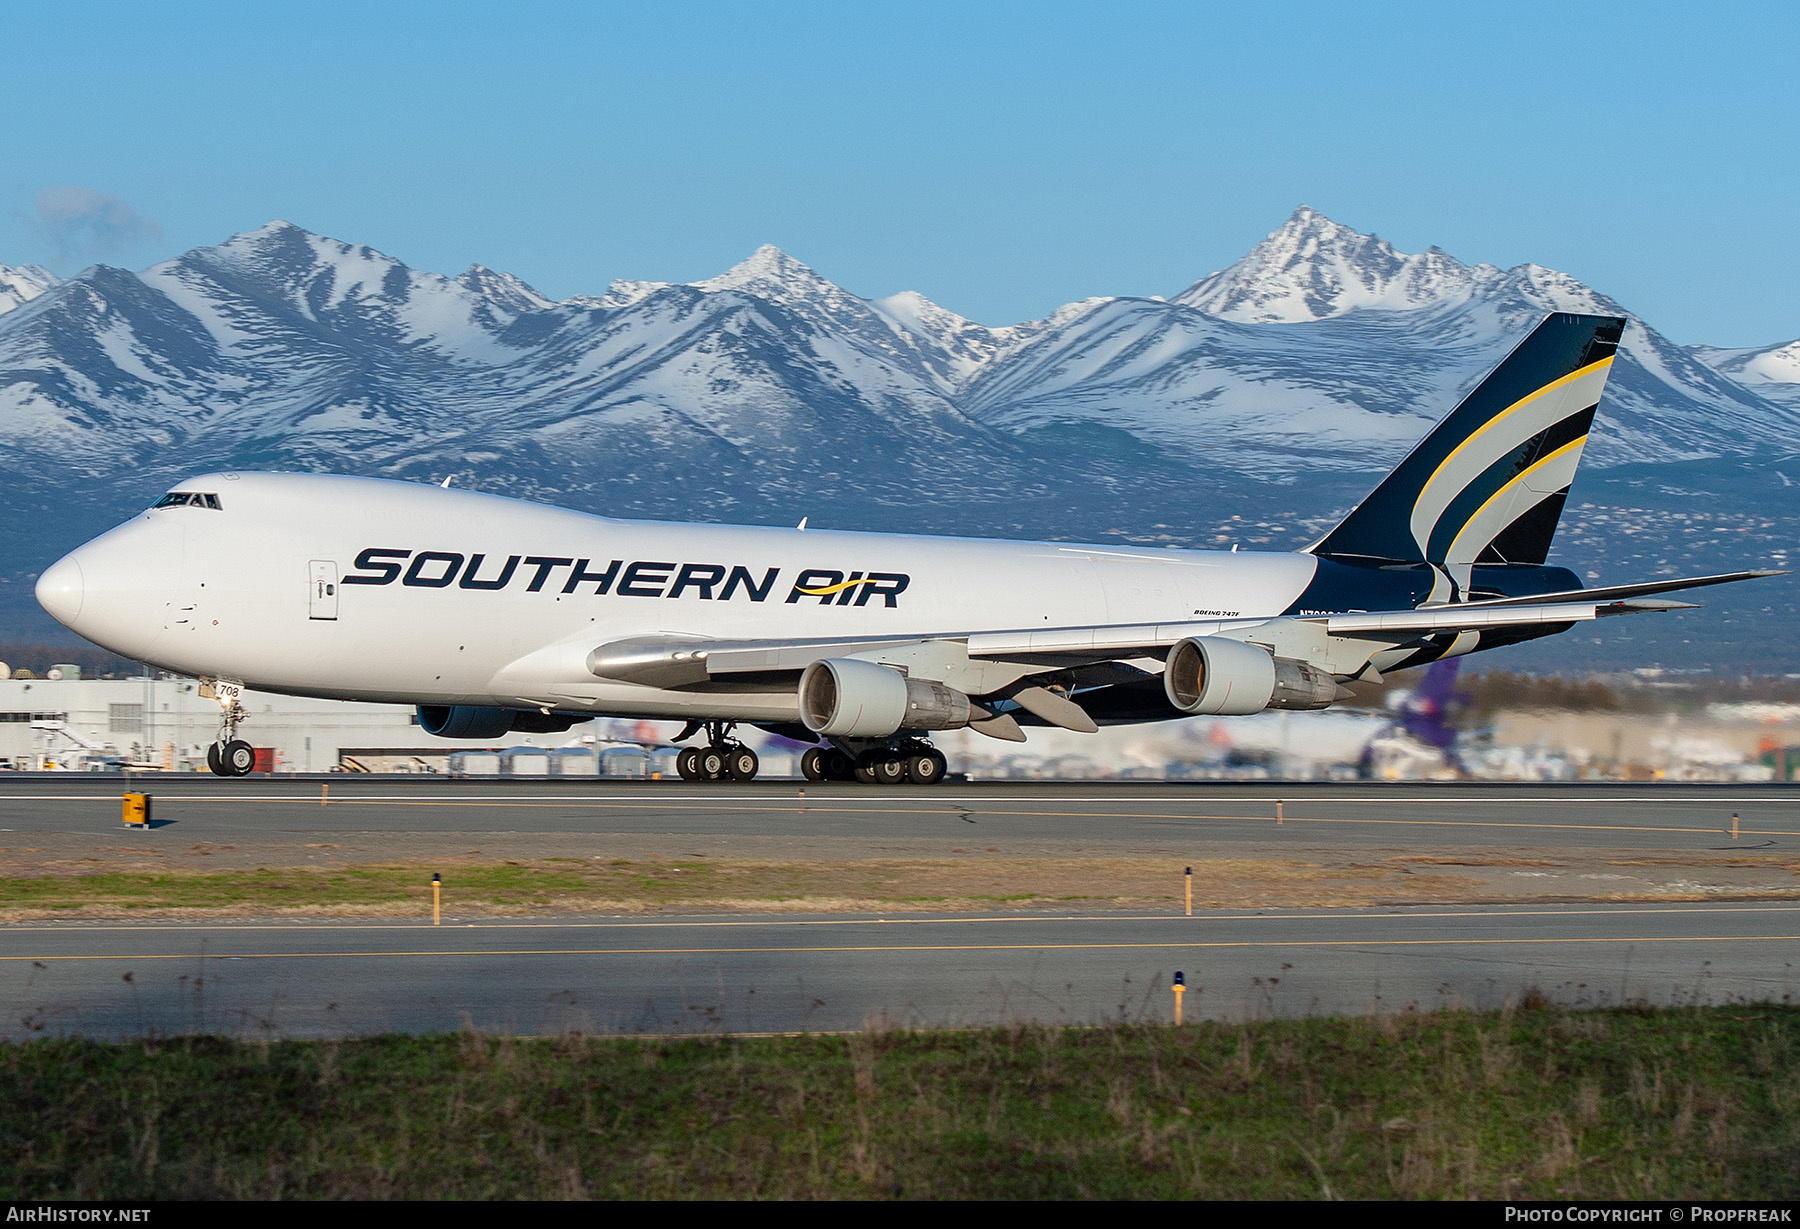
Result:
x=1613 y=893
x=1617 y=816
x=830 y=973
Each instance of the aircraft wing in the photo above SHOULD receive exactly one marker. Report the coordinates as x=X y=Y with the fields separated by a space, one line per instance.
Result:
x=688 y=663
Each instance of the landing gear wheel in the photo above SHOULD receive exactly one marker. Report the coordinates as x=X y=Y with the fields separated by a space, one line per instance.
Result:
x=213 y=762
x=711 y=764
x=687 y=764
x=741 y=764
x=880 y=767
x=890 y=769
x=926 y=768
x=812 y=763
x=839 y=767
x=238 y=757
x=865 y=767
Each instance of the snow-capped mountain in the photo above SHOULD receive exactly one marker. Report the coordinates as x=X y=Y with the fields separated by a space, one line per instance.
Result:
x=1311 y=268
x=22 y=283
x=1772 y=371
x=768 y=392
x=1401 y=336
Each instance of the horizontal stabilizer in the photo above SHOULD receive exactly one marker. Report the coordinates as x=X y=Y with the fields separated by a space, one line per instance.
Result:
x=1611 y=592
x=1471 y=617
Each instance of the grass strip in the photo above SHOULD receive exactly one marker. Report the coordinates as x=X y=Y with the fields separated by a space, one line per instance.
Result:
x=1539 y=1102
x=624 y=885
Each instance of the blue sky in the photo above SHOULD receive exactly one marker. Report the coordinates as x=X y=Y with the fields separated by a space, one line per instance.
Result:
x=1000 y=158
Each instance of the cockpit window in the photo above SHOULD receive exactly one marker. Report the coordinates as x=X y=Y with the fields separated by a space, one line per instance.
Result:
x=177 y=499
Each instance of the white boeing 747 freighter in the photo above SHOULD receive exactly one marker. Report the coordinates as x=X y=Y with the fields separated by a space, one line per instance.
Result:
x=494 y=614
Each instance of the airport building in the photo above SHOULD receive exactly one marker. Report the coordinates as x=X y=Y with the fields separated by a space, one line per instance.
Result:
x=100 y=725
x=162 y=723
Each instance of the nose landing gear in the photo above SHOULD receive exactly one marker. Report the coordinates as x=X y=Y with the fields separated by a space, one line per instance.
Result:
x=229 y=756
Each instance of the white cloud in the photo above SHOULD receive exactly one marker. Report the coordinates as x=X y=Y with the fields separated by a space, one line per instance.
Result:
x=82 y=225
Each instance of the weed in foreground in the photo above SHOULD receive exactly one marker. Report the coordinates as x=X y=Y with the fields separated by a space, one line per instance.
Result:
x=1538 y=1102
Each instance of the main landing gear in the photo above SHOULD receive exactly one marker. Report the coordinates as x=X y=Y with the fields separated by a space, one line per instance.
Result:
x=905 y=761
x=722 y=759
x=916 y=763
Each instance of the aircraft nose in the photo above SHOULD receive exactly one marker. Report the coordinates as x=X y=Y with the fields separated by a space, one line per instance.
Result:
x=60 y=590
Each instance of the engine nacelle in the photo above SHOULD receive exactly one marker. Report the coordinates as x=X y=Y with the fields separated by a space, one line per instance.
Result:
x=844 y=697
x=1219 y=677
x=544 y=723
x=465 y=721
x=1300 y=684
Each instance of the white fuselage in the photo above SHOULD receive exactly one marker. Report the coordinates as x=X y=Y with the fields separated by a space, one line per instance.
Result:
x=267 y=589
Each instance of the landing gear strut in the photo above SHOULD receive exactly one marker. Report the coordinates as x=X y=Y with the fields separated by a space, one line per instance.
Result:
x=722 y=759
x=230 y=756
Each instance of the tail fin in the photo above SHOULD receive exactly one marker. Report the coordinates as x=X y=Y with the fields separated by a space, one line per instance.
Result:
x=1488 y=484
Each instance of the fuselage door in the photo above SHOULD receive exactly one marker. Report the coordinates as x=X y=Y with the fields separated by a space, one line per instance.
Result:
x=323 y=600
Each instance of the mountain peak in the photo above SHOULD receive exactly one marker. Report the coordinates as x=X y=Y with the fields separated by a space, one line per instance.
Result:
x=1311 y=267
x=770 y=273
x=273 y=234
x=502 y=289
x=22 y=283
x=284 y=250
x=1307 y=220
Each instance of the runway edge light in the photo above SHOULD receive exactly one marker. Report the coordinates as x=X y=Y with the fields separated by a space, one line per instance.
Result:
x=437 y=899
x=1180 y=988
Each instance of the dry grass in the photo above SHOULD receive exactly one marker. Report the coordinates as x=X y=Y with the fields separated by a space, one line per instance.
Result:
x=1471 y=860
x=1528 y=1103
x=594 y=885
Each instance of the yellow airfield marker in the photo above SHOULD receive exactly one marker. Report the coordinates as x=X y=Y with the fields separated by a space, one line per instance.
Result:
x=1180 y=988
x=437 y=899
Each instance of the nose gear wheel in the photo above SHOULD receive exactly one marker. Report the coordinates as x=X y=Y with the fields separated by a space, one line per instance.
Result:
x=231 y=756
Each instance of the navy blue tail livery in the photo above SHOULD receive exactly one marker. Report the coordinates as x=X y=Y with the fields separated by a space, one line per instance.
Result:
x=1488 y=484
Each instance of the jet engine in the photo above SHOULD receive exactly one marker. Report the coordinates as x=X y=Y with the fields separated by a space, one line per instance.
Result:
x=464 y=721
x=468 y=721
x=843 y=697
x=1219 y=677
